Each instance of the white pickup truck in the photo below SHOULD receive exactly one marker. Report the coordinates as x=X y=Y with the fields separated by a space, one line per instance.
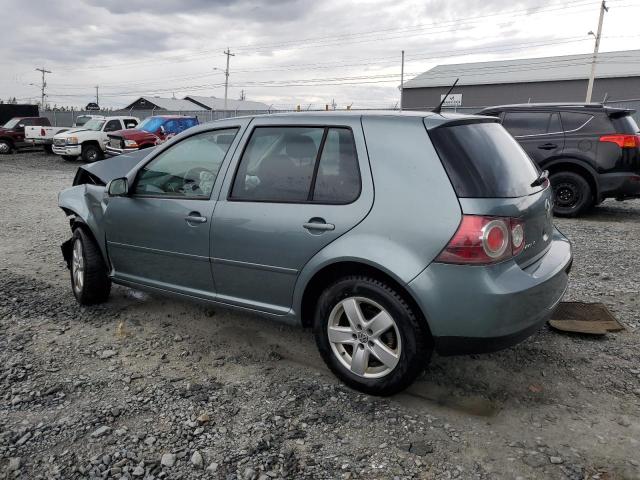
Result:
x=90 y=140
x=43 y=135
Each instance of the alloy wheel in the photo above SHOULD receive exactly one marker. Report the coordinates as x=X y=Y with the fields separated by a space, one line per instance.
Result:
x=364 y=337
x=4 y=147
x=77 y=266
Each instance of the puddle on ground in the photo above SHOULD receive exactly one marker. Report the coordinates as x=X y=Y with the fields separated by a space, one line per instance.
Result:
x=423 y=395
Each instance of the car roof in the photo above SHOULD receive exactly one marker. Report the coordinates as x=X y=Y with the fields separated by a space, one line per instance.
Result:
x=173 y=116
x=431 y=119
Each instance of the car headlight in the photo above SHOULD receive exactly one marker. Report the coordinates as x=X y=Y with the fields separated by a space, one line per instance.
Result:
x=72 y=140
x=130 y=143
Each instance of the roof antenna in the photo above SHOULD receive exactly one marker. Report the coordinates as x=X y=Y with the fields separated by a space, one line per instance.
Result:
x=444 y=99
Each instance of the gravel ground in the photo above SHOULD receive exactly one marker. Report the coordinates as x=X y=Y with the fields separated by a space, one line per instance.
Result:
x=145 y=387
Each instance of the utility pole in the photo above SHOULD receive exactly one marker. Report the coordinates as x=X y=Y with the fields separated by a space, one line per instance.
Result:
x=97 y=96
x=603 y=8
x=401 y=80
x=226 y=75
x=44 y=84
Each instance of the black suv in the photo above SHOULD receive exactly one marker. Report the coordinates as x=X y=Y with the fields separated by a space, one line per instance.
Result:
x=591 y=151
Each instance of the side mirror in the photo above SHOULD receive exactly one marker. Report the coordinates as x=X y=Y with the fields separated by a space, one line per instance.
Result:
x=161 y=129
x=21 y=125
x=118 y=187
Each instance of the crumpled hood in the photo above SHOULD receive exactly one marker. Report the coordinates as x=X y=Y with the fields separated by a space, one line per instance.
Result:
x=114 y=167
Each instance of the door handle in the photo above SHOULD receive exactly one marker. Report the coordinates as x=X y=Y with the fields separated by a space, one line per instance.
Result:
x=548 y=146
x=319 y=225
x=195 y=218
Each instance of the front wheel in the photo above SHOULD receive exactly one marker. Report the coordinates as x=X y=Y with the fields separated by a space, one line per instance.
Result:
x=91 y=153
x=5 y=147
x=572 y=194
x=89 y=277
x=369 y=336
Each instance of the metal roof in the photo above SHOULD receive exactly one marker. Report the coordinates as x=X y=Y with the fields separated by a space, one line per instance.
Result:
x=171 y=104
x=214 y=103
x=545 y=69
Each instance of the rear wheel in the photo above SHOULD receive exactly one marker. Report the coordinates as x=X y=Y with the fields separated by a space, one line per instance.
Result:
x=369 y=336
x=89 y=277
x=91 y=153
x=572 y=194
x=5 y=147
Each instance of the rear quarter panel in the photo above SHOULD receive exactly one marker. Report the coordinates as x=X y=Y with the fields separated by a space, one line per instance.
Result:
x=415 y=210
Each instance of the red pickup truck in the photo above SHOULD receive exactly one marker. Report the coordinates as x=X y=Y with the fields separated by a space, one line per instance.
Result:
x=12 y=132
x=151 y=131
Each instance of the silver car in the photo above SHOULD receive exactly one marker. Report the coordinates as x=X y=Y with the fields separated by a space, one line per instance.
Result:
x=390 y=235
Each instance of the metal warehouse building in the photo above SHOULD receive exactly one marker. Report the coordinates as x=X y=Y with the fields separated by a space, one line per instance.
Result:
x=549 y=79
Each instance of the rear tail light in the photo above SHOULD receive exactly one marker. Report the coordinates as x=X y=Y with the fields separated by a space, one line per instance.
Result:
x=623 y=141
x=481 y=240
x=42 y=132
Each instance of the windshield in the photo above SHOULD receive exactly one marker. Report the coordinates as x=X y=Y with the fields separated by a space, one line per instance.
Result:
x=151 y=124
x=11 y=123
x=95 y=125
x=81 y=120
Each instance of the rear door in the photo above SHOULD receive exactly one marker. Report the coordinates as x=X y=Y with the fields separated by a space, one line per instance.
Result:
x=539 y=133
x=290 y=191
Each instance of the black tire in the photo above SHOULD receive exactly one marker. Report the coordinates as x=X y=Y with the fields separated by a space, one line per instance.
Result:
x=6 y=147
x=69 y=158
x=48 y=149
x=416 y=345
x=91 y=153
x=96 y=284
x=572 y=194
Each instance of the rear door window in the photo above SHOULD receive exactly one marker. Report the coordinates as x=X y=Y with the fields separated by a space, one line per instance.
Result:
x=112 y=126
x=484 y=161
x=526 y=123
x=298 y=164
x=572 y=121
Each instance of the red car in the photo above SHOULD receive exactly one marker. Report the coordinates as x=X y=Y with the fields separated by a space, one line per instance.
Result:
x=151 y=132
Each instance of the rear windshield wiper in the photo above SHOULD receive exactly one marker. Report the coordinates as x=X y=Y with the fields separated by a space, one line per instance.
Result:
x=544 y=175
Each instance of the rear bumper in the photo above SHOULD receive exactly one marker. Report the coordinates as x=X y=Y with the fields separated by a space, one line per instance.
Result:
x=475 y=309
x=620 y=184
x=67 y=150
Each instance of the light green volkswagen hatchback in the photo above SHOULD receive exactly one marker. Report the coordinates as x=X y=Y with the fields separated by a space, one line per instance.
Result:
x=390 y=235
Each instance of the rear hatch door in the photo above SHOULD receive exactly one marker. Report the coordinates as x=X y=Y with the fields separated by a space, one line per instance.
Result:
x=493 y=176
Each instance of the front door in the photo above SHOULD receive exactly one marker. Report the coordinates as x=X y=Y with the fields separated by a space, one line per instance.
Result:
x=158 y=235
x=289 y=193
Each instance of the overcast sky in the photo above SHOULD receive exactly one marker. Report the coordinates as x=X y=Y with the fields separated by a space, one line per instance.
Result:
x=287 y=52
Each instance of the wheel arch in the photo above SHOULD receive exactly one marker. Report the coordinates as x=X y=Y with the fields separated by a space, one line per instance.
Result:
x=575 y=166
x=332 y=272
x=9 y=140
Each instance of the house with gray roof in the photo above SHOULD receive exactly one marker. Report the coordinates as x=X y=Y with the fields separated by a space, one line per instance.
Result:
x=548 y=79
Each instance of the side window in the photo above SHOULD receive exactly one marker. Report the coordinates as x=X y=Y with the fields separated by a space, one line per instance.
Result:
x=27 y=122
x=277 y=164
x=171 y=126
x=338 y=177
x=574 y=121
x=188 y=168
x=112 y=126
x=526 y=123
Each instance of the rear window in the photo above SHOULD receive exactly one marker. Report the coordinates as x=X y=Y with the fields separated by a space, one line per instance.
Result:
x=625 y=124
x=484 y=161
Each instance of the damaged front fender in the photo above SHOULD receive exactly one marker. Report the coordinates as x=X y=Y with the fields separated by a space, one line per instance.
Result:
x=85 y=204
